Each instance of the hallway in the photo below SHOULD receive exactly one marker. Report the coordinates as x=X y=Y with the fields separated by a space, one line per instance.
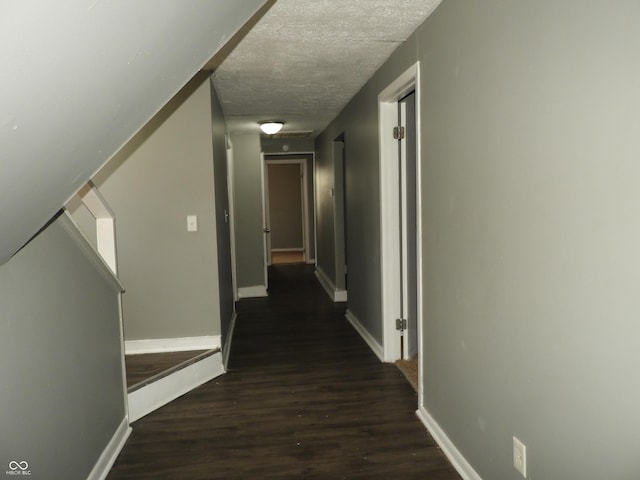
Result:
x=304 y=397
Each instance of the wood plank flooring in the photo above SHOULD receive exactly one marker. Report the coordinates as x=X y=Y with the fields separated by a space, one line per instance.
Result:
x=304 y=398
x=287 y=257
x=144 y=366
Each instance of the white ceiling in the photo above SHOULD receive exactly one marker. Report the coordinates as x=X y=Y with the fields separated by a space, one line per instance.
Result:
x=305 y=59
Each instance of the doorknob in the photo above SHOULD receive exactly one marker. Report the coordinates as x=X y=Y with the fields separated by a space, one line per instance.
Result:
x=266 y=230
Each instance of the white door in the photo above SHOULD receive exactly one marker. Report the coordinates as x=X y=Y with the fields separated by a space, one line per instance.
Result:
x=408 y=220
x=400 y=208
x=287 y=219
x=266 y=229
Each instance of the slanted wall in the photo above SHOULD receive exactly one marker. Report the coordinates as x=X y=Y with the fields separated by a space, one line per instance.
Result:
x=110 y=66
x=60 y=356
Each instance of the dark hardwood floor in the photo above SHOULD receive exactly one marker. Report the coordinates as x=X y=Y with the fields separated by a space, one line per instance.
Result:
x=304 y=398
x=142 y=367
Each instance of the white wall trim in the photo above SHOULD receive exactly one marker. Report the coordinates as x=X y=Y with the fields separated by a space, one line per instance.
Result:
x=232 y=212
x=266 y=219
x=181 y=344
x=419 y=244
x=329 y=286
x=252 y=292
x=461 y=465
x=304 y=200
x=226 y=349
x=366 y=336
x=390 y=206
x=110 y=454
x=306 y=195
x=162 y=391
x=340 y=296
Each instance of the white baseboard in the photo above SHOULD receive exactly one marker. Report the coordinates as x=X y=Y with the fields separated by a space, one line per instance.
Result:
x=329 y=287
x=311 y=261
x=294 y=249
x=366 y=336
x=340 y=296
x=182 y=344
x=252 y=292
x=226 y=350
x=153 y=396
x=327 y=284
x=461 y=465
x=110 y=454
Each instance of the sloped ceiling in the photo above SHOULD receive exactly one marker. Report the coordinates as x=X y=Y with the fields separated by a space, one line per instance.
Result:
x=305 y=59
x=81 y=77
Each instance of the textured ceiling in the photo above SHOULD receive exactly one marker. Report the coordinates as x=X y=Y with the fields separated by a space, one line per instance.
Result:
x=305 y=59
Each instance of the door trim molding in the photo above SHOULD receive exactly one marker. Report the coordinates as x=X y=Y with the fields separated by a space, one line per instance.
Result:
x=266 y=238
x=300 y=159
x=232 y=215
x=389 y=206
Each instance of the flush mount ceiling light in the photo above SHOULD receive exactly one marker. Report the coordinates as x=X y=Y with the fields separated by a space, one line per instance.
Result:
x=272 y=127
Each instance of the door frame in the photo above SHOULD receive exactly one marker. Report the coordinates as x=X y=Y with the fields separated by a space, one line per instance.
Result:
x=389 y=219
x=232 y=216
x=304 y=192
x=339 y=217
x=266 y=238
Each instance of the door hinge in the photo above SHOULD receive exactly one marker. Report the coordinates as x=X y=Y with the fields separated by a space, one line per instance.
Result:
x=401 y=324
x=398 y=133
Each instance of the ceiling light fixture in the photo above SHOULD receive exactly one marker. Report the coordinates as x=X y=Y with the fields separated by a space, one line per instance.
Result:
x=272 y=127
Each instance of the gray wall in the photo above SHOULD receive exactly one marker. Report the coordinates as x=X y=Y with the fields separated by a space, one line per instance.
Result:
x=530 y=177
x=325 y=238
x=223 y=235
x=170 y=274
x=248 y=209
x=285 y=206
x=530 y=181
x=60 y=356
x=287 y=145
x=359 y=124
x=339 y=208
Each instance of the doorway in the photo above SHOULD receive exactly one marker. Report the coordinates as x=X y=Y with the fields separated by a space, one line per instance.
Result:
x=286 y=210
x=400 y=220
x=340 y=214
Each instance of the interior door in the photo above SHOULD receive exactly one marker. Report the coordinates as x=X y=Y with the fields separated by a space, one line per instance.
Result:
x=339 y=213
x=266 y=229
x=409 y=234
x=286 y=206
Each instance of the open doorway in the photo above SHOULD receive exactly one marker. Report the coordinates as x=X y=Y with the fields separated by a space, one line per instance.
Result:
x=340 y=212
x=287 y=209
x=400 y=197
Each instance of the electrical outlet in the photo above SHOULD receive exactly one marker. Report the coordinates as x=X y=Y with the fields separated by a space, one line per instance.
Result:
x=520 y=456
x=192 y=223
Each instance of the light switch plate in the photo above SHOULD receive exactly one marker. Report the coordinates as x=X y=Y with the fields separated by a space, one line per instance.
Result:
x=520 y=456
x=192 y=223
